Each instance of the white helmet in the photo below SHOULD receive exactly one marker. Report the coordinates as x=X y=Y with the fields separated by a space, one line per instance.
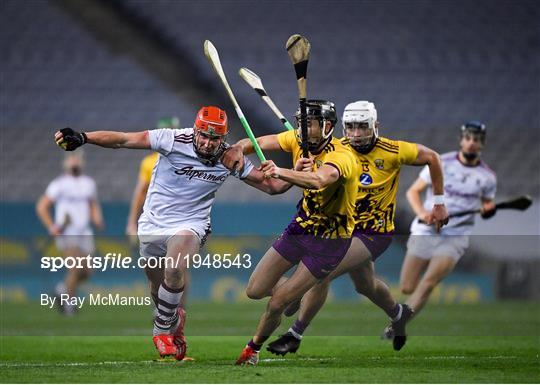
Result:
x=361 y=111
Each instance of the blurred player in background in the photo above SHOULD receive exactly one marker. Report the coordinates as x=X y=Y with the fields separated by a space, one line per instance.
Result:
x=320 y=233
x=380 y=160
x=176 y=218
x=468 y=183
x=74 y=196
x=145 y=175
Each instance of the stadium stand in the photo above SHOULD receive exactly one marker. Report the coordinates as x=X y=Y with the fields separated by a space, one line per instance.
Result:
x=484 y=65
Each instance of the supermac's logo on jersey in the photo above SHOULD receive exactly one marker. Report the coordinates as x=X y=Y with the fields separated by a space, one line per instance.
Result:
x=190 y=173
x=366 y=179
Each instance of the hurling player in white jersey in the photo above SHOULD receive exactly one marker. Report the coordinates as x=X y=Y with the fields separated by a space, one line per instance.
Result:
x=176 y=215
x=74 y=197
x=469 y=184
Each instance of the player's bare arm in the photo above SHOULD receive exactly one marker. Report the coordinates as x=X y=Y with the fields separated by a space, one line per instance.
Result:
x=314 y=180
x=70 y=139
x=233 y=158
x=96 y=214
x=426 y=156
x=275 y=186
x=137 y=202
x=43 y=212
x=268 y=185
x=414 y=198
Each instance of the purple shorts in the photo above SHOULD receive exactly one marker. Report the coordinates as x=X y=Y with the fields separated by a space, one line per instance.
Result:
x=320 y=255
x=376 y=243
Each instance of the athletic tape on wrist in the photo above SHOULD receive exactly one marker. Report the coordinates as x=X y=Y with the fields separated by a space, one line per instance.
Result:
x=438 y=199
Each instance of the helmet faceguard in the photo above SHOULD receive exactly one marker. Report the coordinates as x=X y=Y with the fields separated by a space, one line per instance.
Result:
x=360 y=125
x=319 y=113
x=210 y=134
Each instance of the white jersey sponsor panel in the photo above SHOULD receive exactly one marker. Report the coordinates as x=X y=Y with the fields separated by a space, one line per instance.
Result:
x=182 y=188
x=71 y=196
x=464 y=188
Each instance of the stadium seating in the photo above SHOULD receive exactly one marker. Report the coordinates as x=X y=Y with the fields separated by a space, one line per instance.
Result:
x=484 y=64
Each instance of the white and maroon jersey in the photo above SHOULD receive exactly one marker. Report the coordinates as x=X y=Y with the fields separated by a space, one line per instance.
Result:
x=182 y=188
x=72 y=196
x=464 y=188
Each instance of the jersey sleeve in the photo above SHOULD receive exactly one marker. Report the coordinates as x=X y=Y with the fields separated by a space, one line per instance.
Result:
x=53 y=190
x=489 y=191
x=343 y=161
x=161 y=140
x=408 y=152
x=145 y=171
x=424 y=175
x=287 y=140
x=248 y=166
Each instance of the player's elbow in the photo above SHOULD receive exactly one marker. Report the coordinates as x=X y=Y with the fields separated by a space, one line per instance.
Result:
x=325 y=179
x=41 y=205
x=432 y=157
x=276 y=189
x=411 y=193
x=318 y=184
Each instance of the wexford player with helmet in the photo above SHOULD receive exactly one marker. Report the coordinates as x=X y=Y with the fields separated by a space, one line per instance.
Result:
x=469 y=184
x=320 y=233
x=176 y=215
x=380 y=162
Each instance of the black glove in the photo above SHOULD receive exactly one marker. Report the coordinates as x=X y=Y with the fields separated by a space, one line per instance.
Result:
x=488 y=214
x=72 y=139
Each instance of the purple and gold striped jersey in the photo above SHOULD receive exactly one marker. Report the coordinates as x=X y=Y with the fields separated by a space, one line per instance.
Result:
x=378 y=179
x=328 y=212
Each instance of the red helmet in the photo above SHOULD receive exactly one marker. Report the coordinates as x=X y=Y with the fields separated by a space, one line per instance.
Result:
x=212 y=120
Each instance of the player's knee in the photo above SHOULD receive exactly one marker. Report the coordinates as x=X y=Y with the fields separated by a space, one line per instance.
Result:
x=254 y=292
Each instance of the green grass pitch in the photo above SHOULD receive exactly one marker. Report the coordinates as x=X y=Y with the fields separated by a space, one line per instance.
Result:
x=474 y=343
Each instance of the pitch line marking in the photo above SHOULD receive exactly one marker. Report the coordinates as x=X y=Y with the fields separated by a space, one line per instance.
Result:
x=112 y=363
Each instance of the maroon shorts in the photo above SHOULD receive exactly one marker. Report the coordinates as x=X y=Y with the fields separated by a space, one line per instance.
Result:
x=320 y=255
x=376 y=243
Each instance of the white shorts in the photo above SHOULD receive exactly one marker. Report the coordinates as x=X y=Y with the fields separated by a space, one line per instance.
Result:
x=429 y=246
x=85 y=243
x=153 y=239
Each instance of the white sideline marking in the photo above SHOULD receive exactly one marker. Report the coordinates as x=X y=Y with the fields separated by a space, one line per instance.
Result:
x=113 y=363
x=298 y=359
x=42 y=364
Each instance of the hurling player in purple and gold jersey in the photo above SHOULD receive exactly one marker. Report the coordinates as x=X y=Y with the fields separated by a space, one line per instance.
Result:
x=320 y=233
x=380 y=160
